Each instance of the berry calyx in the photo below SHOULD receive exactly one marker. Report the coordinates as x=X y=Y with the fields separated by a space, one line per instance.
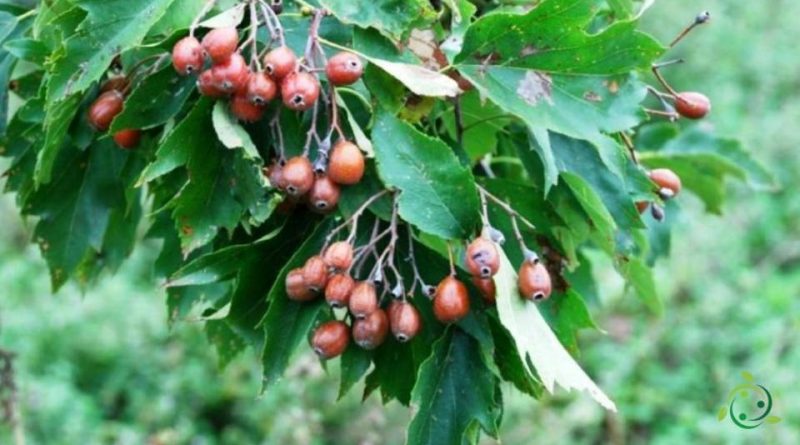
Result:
x=298 y=175
x=534 y=281
x=669 y=183
x=299 y=91
x=339 y=256
x=280 y=62
x=207 y=85
x=324 y=194
x=692 y=105
x=187 y=56
x=128 y=138
x=451 y=302
x=261 y=89
x=404 y=319
x=104 y=109
x=221 y=43
x=296 y=288
x=346 y=164
x=370 y=332
x=487 y=288
x=338 y=290
x=232 y=75
x=315 y=273
x=482 y=258
x=363 y=300
x=245 y=110
x=330 y=339
x=344 y=68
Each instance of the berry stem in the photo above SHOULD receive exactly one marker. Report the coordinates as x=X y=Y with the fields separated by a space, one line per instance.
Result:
x=451 y=258
x=507 y=208
x=254 y=59
x=413 y=260
x=277 y=135
x=276 y=29
x=629 y=143
x=700 y=19
x=663 y=81
x=206 y=9
x=353 y=219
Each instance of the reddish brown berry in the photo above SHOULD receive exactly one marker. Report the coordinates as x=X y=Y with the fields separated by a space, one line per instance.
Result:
x=487 y=288
x=669 y=184
x=187 y=56
x=344 y=68
x=104 y=109
x=296 y=287
x=346 y=164
x=534 y=281
x=221 y=43
x=324 y=194
x=232 y=75
x=280 y=62
x=339 y=255
x=404 y=320
x=330 y=339
x=275 y=175
x=299 y=91
x=207 y=85
x=338 y=290
x=370 y=332
x=298 y=175
x=244 y=110
x=261 y=89
x=641 y=206
x=315 y=273
x=451 y=302
x=692 y=105
x=363 y=300
x=483 y=260
x=116 y=83
x=128 y=138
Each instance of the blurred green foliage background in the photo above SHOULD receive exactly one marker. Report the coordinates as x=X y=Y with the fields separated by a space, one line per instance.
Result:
x=105 y=368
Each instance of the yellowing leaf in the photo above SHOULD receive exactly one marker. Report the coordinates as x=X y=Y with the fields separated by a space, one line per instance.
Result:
x=418 y=79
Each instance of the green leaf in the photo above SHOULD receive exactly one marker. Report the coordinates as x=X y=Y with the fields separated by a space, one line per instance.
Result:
x=110 y=27
x=355 y=363
x=225 y=340
x=394 y=373
x=30 y=50
x=455 y=391
x=437 y=194
x=393 y=18
x=230 y=133
x=512 y=368
x=567 y=313
x=639 y=276
x=56 y=125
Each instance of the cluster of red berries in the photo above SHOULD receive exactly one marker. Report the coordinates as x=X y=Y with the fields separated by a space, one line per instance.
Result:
x=107 y=106
x=328 y=275
x=251 y=90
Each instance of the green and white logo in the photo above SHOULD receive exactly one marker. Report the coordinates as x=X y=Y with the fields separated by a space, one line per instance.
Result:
x=749 y=404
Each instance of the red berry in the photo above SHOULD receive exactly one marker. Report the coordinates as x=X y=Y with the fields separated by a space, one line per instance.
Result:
x=261 y=89
x=483 y=260
x=487 y=288
x=299 y=91
x=404 y=320
x=221 y=43
x=641 y=206
x=344 y=68
x=669 y=184
x=104 y=109
x=296 y=287
x=232 y=75
x=339 y=256
x=244 y=110
x=280 y=62
x=187 y=56
x=534 y=281
x=346 y=163
x=298 y=174
x=451 y=302
x=208 y=85
x=275 y=175
x=363 y=300
x=370 y=332
x=116 y=83
x=692 y=105
x=330 y=339
x=315 y=273
x=338 y=290
x=324 y=194
x=128 y=138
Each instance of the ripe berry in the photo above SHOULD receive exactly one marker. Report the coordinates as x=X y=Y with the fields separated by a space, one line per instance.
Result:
x=404 y=320
x=487 y=288
x=298 y=176
x=232 y=75
x=338 y=290
x=692 y=105
x=482 y=258
x=346 y=164
x=275 y=175
x=187 y=56
x=669 y=184
x=261 y=89
x=104 y=109
x=244 y=110
x=324 y=194
x=299 y=91
x=363 y=300
x=279 y=62
x=534 y=281
x=128 y=138
x=451 y=302
x=339 y=256
x=642 y=206
x=315 y=273
x=296 y=287
x=116 y=83
x=208 y=85
x=330 y=339
x=221 y=43
x=344 y=68
x=370 y=332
